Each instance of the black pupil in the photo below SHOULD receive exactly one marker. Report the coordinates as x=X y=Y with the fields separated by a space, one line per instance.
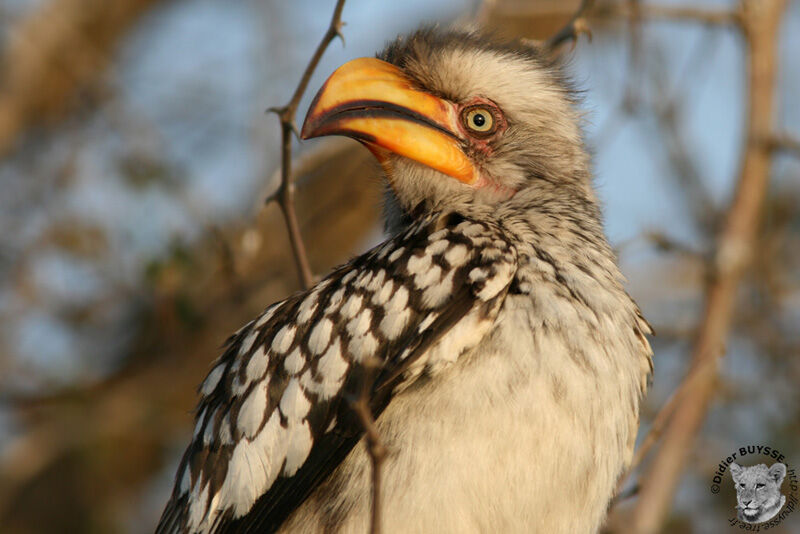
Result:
x=478 y=119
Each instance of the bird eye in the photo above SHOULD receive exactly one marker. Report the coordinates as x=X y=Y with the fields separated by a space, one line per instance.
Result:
x=759 y=485
x=479 y=120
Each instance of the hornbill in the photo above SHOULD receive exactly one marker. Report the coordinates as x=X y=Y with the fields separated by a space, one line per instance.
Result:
x=503 y=360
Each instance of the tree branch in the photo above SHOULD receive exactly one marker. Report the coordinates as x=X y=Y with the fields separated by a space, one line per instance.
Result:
x=576 y=26
x=760 y=21
x=285 y=193
x=377 y=454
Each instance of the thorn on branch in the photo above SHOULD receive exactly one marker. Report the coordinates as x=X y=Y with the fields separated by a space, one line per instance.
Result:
x=665 y=243
x=625 y=495
x=582 y=28
x=338 y=32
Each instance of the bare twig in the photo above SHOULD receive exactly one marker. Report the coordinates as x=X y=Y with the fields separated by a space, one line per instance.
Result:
x=577 y=25
x=375 y=448
x=377 y=454
x=668 y=244
x=285 y=197
x=760 y=23
x=285 y=193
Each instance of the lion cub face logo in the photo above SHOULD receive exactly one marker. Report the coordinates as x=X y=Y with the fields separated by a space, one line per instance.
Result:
x=758 y=491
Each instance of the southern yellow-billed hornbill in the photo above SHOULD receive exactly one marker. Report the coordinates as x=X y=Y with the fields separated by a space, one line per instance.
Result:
x=510 y=360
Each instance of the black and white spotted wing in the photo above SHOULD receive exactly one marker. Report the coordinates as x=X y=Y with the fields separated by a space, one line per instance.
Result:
x=274 y=418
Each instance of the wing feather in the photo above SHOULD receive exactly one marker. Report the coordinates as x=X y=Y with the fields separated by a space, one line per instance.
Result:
x=274 y=420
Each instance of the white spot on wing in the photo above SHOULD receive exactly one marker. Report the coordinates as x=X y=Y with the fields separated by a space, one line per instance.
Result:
x=363 y=346
x=437 y=294
x=252 y=411
x=360 y=324
x=380 y=297
x=253 y=467
x=186 y=478
x=417 y=265
x=456 y=256
x=396 y=254
x=384 y=250
x=307 y=308
x=247 y=344
x=331 y=425
x=437 y=247
x=438 y=234
x=352 y=306
x=428 y=277
x=225 y=437
x=197 y=508
x=336 y=300
x=330 y=381
x=377 y=281
x=294 y=362
x=364 y=279
x=393 y=324
x=349 y=276
x=398 y=301
x=294 y=404
x=210 y=431
x=257 y=365
x=239 y=385
x=198 y=427
x=283 y=339
x=332 y=365
x=299 y=447
x=211 y=381
x=320 y=336
x=477 y=274
x=427 y=321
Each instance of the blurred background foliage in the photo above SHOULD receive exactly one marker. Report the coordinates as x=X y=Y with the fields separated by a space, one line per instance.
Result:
x=135 y=156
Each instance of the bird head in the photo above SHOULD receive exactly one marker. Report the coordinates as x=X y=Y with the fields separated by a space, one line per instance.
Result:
x=457 y=120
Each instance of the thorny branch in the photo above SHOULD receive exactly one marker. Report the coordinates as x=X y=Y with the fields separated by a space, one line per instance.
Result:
x=285 y=198
x=285 y=193
x=577 y=25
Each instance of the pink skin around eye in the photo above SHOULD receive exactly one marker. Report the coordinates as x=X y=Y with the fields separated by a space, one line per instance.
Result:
x=483 y=145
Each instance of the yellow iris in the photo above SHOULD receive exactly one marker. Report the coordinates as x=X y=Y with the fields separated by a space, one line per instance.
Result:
x=479 y=120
